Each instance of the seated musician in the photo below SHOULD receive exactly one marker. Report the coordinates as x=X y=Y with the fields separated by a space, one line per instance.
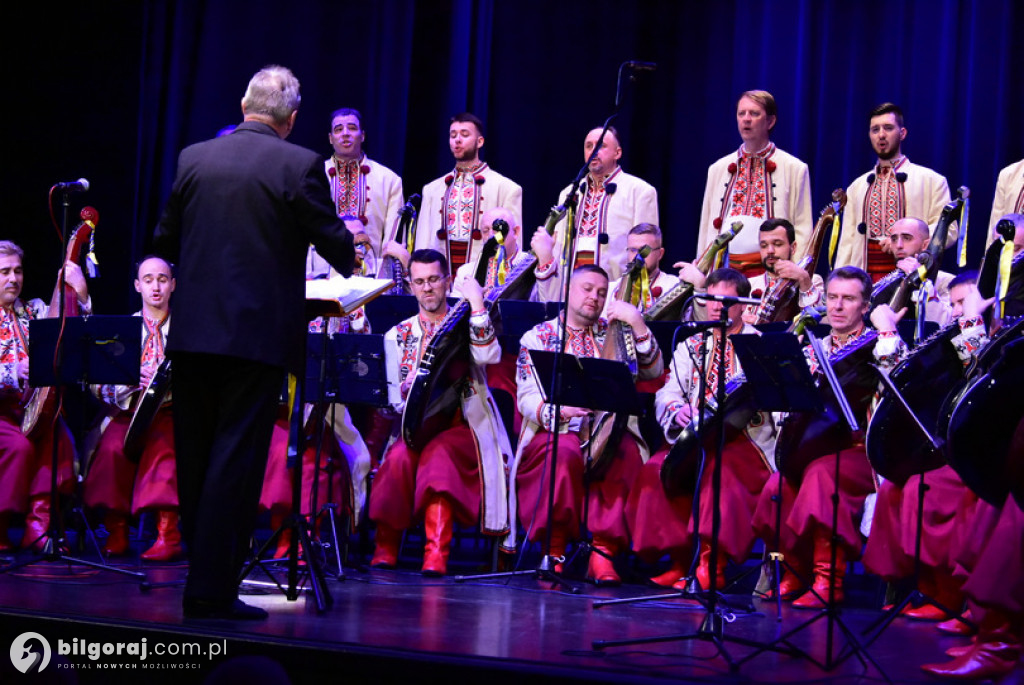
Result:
x=907 y=238
x=586 y=334
x=806 y=536
x=122 y=487
x=662 y=524
x=26 y=465
x=777 y=245
x=460 y=474
x=890 y=548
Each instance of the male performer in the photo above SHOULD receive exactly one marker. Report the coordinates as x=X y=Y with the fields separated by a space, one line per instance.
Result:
x=361 y=187
x=609 y=203
x=757 y=182
x=449 y=218
x=890 y=547
x=908 y=237
x=26 y=466
x=1009 y=196
x=460 y=474
x=661 y=524
x=502 y=262
x=893 y=189
x=586 y=333
x=121 y=486
x=807 y=506
x=777 y=245
x=242 y=211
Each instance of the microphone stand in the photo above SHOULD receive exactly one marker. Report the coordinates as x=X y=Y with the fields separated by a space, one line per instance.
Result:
x=54 y=545
x=546 y=569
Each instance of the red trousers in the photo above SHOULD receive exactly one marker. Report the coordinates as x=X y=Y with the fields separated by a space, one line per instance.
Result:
x=334 y=485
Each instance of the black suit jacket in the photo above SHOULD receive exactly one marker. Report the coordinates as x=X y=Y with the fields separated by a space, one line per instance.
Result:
x=242 y=212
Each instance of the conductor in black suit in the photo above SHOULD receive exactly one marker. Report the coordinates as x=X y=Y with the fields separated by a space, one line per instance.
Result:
x=243 y=210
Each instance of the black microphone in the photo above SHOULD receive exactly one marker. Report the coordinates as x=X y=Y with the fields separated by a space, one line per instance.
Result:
x=728 y=300
x=1005 y=229
x=79 y=186
x=500 y=226
x=641 y=66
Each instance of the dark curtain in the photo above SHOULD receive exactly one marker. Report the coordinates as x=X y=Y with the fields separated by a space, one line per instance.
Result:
x=541 y=74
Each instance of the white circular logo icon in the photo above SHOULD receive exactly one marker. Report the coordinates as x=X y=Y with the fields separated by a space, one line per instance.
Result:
x=25 y=654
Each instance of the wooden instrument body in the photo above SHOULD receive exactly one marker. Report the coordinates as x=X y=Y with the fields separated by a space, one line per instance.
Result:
x=40 y=403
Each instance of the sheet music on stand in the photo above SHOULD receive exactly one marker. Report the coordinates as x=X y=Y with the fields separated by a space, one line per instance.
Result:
x=355 y=372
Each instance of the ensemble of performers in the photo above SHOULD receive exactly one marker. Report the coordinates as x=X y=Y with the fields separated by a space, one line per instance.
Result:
x=488 y=470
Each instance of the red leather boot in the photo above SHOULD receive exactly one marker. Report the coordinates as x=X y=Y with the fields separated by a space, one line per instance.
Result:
x=284 y=540
x=437 y=524
x=676 y=572
x=945 y=590
x=995 y=654
x=168 y=539
x=37 y=522
x=600 y=568
x=704 y=568
x=386 y=544
x=116 y=523
x=559 y=542
x=822 y=572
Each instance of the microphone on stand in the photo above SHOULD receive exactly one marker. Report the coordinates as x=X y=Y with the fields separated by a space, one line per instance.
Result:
x=728 y=300
x=79 y=186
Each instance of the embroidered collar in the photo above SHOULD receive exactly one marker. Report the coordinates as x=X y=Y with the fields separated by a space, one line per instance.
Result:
x=461 y=169
x=894 y=165
x=763 y=153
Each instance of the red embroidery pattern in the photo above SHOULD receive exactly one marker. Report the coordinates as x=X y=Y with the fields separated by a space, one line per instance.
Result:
x=462 y=204
x=348 y=186
x=593 y=215
x=886 y=202
x=749 y=192
x=698 y=343
x=13 y=342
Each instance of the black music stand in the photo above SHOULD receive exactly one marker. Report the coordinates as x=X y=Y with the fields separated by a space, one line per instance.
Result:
x=830 y=611
x=588 y=383
x=78 y=351
x=349 y=369
x=777 y=371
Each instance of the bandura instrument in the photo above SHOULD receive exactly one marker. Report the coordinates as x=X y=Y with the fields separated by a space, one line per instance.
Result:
x=39 y=402
x=149 y=403
x=606 y=428
x=782 y=301
x=984 y=435
x=896 y=450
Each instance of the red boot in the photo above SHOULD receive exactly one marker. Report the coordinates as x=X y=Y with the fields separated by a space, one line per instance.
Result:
x=600 y=568
x=116 y=523
x=676 y=572
x=995 y=653
x=437 y=524
x=559 y=542
x=944 y=589
x=168 y=539
x=955 y=626
x=37 y=522
x=704 y=568
x=822 y=573
x=385 y=552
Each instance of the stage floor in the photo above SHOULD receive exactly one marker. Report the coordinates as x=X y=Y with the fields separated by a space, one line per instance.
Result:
x=394 y=626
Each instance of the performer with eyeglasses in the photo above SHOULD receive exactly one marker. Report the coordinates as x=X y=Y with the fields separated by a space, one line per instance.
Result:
x=459 y=475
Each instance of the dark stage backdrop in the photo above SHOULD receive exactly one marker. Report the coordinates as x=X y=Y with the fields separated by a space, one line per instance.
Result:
x=113 y=90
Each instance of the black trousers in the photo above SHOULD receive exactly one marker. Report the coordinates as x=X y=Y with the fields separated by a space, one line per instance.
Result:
x=224 y=411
